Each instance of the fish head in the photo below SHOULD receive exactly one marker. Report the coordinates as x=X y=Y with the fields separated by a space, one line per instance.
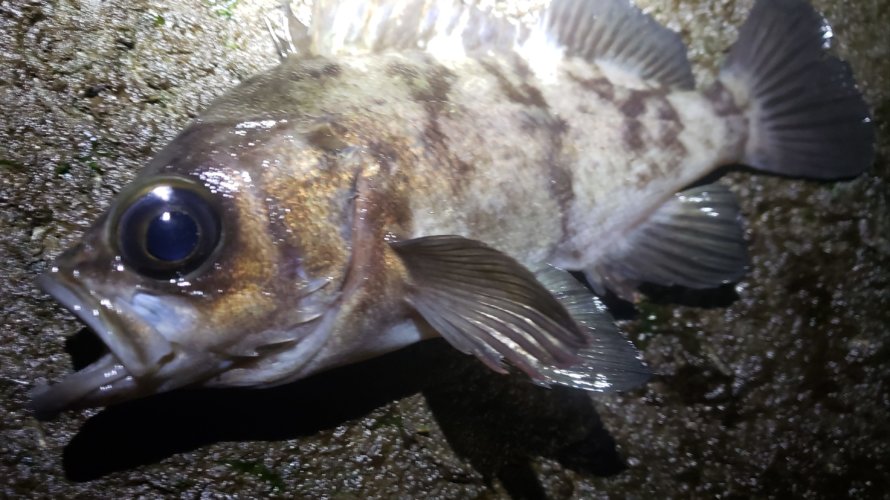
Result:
x=226 y=251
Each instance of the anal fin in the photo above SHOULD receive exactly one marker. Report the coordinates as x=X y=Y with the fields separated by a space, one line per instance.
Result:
x=694 y=240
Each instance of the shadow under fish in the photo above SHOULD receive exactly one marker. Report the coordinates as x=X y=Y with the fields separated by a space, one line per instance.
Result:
x=497 y=423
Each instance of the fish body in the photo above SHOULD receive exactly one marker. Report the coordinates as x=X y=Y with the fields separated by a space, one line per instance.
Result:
x=429 y=170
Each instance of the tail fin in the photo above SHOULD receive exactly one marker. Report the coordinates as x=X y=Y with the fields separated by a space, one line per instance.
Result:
x=806 y=116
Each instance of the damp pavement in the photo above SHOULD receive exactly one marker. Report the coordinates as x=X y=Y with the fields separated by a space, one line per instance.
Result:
x=779 y=385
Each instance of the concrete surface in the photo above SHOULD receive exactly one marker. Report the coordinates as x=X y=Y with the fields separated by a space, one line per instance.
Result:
x=775 y=387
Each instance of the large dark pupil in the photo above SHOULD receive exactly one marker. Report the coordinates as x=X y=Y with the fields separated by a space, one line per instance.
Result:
x=171 y=236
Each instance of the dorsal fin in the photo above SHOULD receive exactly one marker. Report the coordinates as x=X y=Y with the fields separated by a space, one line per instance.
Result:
x=447 y=28
x=616 y=35
x=613 y=34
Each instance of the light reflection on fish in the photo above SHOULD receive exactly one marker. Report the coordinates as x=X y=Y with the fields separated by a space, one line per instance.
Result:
x=420 y=168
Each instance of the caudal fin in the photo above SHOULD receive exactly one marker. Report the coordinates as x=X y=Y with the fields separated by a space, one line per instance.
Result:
x=806 y=116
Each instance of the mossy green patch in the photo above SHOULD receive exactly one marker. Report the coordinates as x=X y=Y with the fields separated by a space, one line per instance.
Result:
x=259 y=470
x=63 y=168
x=391 y=419
x=12 y=165
x=223 y=8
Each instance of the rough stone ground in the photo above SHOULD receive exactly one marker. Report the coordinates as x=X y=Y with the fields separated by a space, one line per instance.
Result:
x=777 y=386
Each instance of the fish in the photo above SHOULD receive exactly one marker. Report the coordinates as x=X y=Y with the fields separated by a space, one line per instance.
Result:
x=425 y=168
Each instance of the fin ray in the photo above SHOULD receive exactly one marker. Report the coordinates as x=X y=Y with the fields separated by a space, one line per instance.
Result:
x=806 y=116
x=609 y=362
x=546 y=323
x=694 y=240
x=503 y=313
x=361 y=26
x=617 y=32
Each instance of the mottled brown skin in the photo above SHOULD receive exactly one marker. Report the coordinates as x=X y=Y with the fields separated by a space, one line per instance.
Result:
x=318 y=165
x=470 y=148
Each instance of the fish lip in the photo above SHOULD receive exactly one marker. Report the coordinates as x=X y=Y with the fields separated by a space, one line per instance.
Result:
x=84 y=307
x=138 y=345
x=98 y=382
x=91 y=386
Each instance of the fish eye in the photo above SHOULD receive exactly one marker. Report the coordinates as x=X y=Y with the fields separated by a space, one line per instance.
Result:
x=169 y=229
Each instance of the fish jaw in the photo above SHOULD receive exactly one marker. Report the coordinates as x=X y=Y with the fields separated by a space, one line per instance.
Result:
x=140 y=360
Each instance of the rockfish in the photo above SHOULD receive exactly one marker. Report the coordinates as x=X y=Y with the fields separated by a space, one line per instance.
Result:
x=422 y=168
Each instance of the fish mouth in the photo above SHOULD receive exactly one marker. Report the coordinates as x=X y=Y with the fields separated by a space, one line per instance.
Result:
x=111 y=378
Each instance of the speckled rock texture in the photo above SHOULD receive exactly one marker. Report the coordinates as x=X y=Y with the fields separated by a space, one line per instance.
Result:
x=777 y=386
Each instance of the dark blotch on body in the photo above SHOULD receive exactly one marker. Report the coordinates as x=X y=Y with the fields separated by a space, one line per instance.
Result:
x=668 y=136
x=632 y=107
x=559 y=171
x=328 y=70
x=632 y=135
x=635 y=104
x=403 y=71
x=523 y=93
x=395 y=206
x=661 y=116
x=600 y=86
x=724 y=103
x=537 y=122
x=430 y=84
x=328 y=136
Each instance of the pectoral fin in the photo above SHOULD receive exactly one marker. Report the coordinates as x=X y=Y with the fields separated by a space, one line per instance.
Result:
x=545 y=323
x=485 y=303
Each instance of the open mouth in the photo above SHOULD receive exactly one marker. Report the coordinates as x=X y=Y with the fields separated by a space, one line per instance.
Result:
x=136 y=351
x=100 y=382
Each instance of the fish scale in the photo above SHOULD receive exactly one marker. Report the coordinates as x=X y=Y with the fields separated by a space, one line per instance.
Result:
x=635 y=149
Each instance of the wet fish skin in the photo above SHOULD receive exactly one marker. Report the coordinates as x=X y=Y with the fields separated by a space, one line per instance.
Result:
x=411 y=115
x=337 y=175
x=283 y=155
x=397 y=124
